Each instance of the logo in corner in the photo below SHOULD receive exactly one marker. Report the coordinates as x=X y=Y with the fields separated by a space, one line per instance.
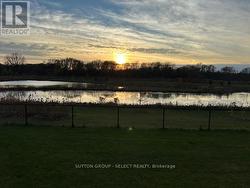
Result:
x=15 y=17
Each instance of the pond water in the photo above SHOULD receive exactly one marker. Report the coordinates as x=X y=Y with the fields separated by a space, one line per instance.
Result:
x=41 y=84
x=129 y=98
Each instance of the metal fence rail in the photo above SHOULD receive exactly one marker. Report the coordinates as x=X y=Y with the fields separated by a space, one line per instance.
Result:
x=165 y=117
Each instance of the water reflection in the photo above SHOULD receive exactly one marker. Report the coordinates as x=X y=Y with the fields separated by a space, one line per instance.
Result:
x=130 y=98
x=40 y=84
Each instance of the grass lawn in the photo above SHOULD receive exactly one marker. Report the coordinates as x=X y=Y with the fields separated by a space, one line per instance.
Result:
x=46 y=157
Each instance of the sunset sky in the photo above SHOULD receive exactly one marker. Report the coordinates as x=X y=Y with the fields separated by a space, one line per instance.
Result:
x=176 y=31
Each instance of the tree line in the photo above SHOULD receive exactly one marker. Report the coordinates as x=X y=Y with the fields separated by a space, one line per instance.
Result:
x=14 y=64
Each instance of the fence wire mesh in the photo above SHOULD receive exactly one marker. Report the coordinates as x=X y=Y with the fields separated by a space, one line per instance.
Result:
x=123 y=117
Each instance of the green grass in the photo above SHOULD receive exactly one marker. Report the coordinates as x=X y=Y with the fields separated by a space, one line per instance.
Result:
x=46 y=157
x=141 y=118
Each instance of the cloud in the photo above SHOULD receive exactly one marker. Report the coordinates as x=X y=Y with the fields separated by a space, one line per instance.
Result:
x=176 y=30
x=32 y=49
x=163 y=51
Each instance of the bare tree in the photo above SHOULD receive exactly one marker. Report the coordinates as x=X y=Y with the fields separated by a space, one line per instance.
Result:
x=246 y=70
x=14 y=59
x=229 y=70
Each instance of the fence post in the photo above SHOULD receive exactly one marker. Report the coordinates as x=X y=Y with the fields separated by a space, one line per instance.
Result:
x=26 y=114
x=163 y=117
x=72 y=116
x=118 y=117
x=209 y=119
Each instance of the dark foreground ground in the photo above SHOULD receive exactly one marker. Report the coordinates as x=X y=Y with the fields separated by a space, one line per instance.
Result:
x=46 y=157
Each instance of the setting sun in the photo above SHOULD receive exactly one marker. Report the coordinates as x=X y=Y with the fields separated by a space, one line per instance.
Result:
x=120 y=58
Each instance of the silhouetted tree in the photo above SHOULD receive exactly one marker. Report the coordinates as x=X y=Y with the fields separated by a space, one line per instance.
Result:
x=229 y=70
x=14 y=59
x=208 y=68
x=14 y=65
x=246 y=70
x=108 y=66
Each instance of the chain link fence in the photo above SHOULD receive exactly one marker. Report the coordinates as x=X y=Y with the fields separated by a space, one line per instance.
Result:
x=138 y=117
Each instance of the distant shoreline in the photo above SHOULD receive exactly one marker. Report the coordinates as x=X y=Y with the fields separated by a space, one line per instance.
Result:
x=121 y=90
x=135 y=85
